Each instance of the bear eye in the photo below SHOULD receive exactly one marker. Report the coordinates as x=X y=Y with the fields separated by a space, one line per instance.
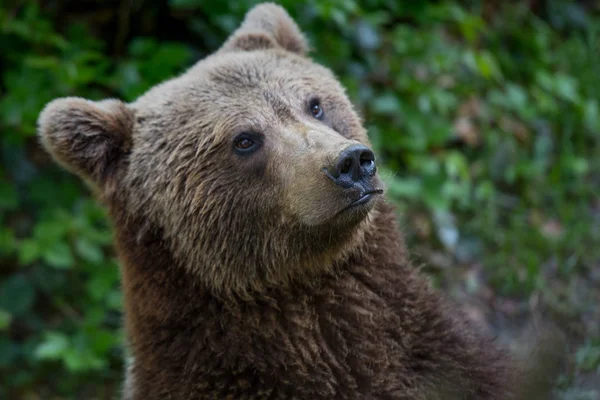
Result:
x=315 y=109
x=246 y=143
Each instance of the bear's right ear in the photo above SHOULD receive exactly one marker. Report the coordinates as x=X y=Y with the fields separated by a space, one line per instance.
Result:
x=267 y=26
x=86 y=137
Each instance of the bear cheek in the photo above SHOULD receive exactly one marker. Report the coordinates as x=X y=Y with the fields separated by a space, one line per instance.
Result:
x=312 y=201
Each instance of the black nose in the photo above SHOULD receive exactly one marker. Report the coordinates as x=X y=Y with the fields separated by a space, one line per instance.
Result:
x=353 y=164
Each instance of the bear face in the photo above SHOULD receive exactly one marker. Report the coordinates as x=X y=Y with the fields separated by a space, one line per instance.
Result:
x=253 y=163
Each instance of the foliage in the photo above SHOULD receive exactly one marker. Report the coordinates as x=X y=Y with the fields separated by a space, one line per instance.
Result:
x=487 y=118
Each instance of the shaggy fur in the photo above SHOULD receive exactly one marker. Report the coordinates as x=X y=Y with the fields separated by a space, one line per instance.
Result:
x=243 y=276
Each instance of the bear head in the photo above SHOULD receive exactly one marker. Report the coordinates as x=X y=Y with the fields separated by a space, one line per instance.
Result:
x=252 y=165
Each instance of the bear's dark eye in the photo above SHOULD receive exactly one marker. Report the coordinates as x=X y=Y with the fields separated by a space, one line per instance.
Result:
x=315 y=109
x=246 y=143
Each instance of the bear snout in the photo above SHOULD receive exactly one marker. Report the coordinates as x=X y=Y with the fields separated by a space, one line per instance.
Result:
x=353 y=170
x=355 y=165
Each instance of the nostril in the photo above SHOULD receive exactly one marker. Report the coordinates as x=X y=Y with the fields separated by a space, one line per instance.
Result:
x=367 y=159
x=346 y=166
x=354 y=163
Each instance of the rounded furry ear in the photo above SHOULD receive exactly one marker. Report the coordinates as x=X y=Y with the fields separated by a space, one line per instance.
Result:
x=87 y=137
x=267 y=26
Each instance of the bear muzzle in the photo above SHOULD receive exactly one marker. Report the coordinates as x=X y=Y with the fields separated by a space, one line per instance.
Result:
x=354 y=170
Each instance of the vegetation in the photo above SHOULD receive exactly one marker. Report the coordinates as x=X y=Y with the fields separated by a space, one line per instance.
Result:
x=486 y=116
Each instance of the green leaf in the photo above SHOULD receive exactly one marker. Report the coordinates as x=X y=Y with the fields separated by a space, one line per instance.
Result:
x=486 y=65
x=470 y=26
x=51 y=230
x=579 y=165
x=17 y=295
x=433 y=194
x=9 y=352
x=482 y=63
x=59 y=256
x=102 y=282
x=114 y=300
x=592 y=115
x=7 y=241
x=566 y=87
x=89 y=251
x=29 y=251
x=588 y=358
x=405 y=188
x=53 y=347
x=485 y=190
x=387 y=104
x=80 y=360
x=5 y=319
x=9 y=199
x=457 y=166
x=516 y=96
x=103 y=341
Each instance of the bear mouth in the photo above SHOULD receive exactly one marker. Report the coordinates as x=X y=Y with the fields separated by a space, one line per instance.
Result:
x=366 y=197
x=363 y=200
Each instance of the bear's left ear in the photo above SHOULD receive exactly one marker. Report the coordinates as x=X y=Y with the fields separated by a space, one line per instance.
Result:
x=86 y=137
x=267 y=26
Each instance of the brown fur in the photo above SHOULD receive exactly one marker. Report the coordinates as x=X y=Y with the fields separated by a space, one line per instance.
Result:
x=242 y=277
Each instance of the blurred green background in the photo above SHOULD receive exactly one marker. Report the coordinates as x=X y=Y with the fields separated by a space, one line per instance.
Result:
x=486 y=115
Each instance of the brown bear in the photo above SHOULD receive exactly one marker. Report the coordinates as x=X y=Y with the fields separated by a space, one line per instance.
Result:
x=259 y=258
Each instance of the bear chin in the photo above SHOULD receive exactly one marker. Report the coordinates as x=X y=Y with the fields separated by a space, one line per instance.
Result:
x=357 y=211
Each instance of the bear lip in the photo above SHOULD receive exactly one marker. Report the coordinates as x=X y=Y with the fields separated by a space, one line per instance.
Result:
x=364 y=198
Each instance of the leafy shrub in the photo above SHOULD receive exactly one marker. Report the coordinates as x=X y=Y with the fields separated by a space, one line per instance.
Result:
x=487 y=119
